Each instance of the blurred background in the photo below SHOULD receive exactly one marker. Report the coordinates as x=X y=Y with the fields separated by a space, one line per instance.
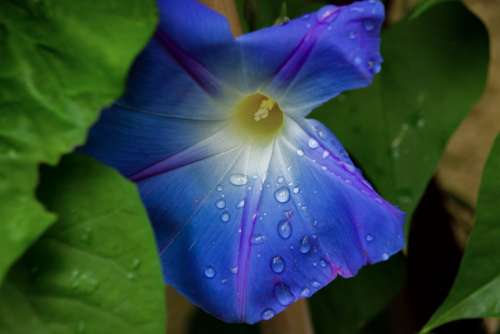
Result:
x=450 y=199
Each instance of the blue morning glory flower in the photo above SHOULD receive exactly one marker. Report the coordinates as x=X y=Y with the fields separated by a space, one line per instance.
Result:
x=254 y=206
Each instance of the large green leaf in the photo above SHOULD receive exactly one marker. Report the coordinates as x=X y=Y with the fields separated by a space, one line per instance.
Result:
x=96 y=269
x=434 y=72
x=346 y=306
x=60 y=63
x=476 y=291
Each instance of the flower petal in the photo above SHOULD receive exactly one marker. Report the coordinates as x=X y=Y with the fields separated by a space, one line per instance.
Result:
x=180 y=72
x=247 y=231
x=131 y=140
x=200 y=32
x=311 y=59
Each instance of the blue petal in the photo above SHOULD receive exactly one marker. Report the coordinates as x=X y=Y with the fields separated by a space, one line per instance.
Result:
x=180 y=72
x=246 y=231
x=131 y=140
x=309 y=60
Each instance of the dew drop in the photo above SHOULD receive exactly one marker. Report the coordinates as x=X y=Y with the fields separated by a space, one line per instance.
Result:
x=240 y=204
x=220 y=188
x=238 y=179
x=369 y=237
x=326 y=14
x=281 y=179
x=277 y=264
x=234 y=270
x=312 y=143
x=225 y=217
x=283 y=294
x=350 y=168
x=326 y=154
x=316 y=284
x=258 y=239
x=209 y=272
x=220 y=204
x=296 y=190
x=300 y=153
x=285 y=229
x=385 y=256
x=136 y=263
x=368 y=25
x=305 y=245
x=282 y=195
x=305 y=292
x=267 y=314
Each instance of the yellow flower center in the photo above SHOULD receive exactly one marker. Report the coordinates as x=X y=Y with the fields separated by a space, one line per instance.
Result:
x=258 y=117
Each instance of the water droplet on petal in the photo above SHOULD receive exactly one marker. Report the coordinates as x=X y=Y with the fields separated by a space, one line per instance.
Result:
x=385 y=256
x=258 y=239
x=220 y=188
x=326 y=14
x=209 y=272
x=369 y=237
x=305 y=245
x=323 y=263
x=267 y=314
x=225 y=217
x=284 y=229
x=220 y=204
x=368 y=25
x=283 y=294
x=281 y=179
x=234 y=270
x=277 y=264
x=350 y=168
x=316 y=284
x=300 y=153
x=241 y=204
x=305 y=292
x=326 y=154
x=312 y=143
x=282 y=195
x=238 y=179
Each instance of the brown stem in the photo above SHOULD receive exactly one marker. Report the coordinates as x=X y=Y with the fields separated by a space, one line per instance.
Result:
x=294 y=320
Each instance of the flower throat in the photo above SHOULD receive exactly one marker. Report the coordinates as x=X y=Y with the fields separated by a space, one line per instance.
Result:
x=258 y=117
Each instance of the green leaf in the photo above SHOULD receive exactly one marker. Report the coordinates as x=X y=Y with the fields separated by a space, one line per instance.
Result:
x=61 y=62
x=96 y=270
x=434 y=72
x=476 y=291
x=346 y=306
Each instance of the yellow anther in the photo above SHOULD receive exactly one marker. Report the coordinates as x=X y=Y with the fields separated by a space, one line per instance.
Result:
x=265 y=107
